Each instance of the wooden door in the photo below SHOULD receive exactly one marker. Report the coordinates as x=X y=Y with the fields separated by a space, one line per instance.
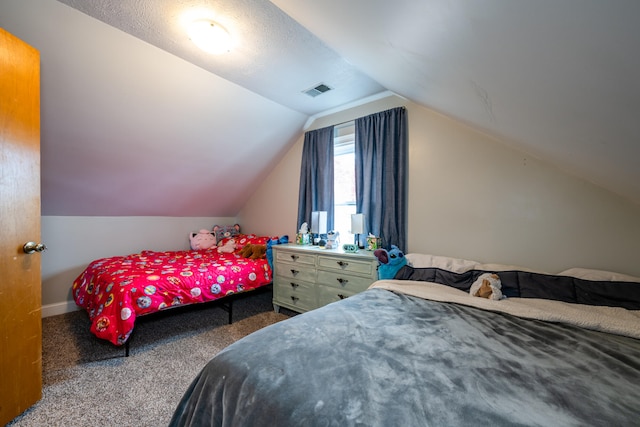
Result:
x=20 y=276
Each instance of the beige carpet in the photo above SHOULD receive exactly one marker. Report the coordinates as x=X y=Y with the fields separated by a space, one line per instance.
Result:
x=87 y=382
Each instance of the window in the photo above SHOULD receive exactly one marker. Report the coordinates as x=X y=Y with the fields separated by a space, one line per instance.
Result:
x=344 y=179
x=380 y=187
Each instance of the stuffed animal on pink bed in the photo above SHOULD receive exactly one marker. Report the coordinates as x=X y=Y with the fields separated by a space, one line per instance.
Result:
x=228 y=247
x=204 y=239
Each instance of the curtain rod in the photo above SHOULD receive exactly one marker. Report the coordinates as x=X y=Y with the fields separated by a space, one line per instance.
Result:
x=347 y=121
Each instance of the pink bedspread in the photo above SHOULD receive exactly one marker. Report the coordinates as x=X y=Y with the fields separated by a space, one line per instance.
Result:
x=116 y=290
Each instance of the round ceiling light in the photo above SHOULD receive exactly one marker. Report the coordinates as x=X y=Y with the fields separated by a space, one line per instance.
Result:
x=209 y=36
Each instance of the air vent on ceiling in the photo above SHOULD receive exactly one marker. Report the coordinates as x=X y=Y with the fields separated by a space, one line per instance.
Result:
x=317 y=90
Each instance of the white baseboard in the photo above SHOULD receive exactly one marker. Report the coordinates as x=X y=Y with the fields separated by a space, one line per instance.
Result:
x=59 y=308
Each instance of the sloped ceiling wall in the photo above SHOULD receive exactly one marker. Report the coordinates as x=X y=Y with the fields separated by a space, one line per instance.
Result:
x=131 y=130
x=557 y=79
x=136 y=121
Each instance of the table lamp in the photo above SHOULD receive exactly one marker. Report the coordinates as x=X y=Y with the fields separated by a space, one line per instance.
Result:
x=318 y=224
x=357 y=227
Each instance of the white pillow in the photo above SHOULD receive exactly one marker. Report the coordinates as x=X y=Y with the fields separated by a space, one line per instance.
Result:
x=455 y=265
x=598 y=275
x=506 y=267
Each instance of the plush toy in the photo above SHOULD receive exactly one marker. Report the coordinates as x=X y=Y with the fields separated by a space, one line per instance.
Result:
x=487 y=285
x=228 y=247
x=222 y=231
x=390 y=262
x=282 y=240
x=254 y=251
x=204 y=239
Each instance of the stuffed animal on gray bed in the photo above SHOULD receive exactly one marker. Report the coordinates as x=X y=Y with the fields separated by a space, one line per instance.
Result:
x=487 y=285
x=390 y=262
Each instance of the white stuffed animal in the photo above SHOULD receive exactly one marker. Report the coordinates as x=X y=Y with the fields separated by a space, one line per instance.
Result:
x=228 y=247
x=487 y=285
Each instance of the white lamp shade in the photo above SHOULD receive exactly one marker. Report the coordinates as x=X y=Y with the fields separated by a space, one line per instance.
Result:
x=357 y=224
x=319 y=222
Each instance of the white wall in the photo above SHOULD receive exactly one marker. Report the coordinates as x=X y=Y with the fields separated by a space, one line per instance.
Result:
x=472 y=196
x=273 y=208
x=73 y=242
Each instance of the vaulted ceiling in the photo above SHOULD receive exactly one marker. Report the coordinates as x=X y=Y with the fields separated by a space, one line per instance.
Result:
x=138 y=121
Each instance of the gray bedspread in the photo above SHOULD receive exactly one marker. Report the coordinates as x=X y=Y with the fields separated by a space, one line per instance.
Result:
x=381 y=358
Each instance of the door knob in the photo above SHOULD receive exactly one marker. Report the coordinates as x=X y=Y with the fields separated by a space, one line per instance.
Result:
x=31 y=247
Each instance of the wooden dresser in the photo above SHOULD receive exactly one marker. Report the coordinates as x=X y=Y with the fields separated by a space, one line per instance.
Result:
x=308 y=277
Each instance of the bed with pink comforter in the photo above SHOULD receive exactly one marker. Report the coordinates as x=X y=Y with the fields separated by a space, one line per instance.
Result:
x=117 y=290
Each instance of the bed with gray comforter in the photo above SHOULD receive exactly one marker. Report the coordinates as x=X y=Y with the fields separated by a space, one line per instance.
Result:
x=419 y=353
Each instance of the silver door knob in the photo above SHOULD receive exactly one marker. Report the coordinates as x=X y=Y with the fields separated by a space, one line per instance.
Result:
x=31 y=247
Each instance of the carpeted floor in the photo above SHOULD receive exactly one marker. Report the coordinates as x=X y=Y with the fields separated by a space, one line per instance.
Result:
x=87 y=382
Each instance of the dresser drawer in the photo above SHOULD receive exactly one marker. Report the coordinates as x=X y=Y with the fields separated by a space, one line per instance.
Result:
x=308 y=277
x=327 y=295
x=296 y=258
x=342 y=281
x=293 y=271
x=346 y=265
x=296 y=295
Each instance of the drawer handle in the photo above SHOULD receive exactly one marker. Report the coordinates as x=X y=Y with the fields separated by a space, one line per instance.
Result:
x=342 y=264
x=294 y=299
x=342 y=281
x=294 y=285
x=294 y=272
x=341 y=296
x=294 y=257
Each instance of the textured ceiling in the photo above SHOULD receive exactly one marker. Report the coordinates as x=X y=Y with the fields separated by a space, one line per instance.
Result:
x=274 y=56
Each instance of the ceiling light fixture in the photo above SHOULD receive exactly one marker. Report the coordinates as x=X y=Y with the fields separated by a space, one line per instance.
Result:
x=209 y=36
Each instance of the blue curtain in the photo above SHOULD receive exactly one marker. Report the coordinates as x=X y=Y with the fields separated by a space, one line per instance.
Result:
x=316 y=176
x=381 y=146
